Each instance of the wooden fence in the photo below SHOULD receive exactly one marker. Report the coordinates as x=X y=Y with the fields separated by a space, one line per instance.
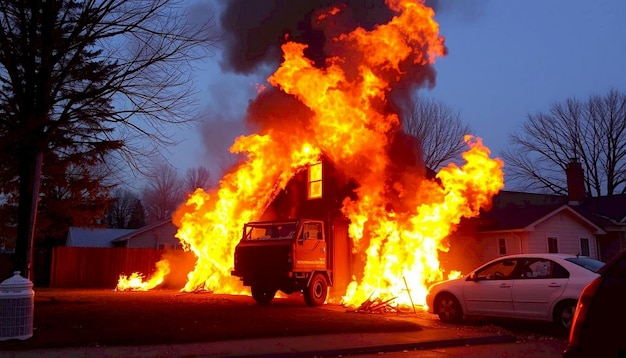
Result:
x=89 y=267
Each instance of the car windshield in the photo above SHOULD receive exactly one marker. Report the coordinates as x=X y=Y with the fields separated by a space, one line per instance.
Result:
x=586 y=262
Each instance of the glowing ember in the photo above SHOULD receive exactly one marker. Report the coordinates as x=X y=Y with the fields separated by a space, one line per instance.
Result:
x=398 y=229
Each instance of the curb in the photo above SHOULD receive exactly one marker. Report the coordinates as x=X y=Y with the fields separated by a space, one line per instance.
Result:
x=413 y=346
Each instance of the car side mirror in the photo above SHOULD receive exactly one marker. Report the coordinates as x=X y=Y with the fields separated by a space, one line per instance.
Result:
x=472 y=277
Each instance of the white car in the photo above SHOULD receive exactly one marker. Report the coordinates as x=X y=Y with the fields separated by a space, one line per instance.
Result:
x=541 y=287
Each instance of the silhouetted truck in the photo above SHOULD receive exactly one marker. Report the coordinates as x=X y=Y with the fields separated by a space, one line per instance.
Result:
x=289 y=255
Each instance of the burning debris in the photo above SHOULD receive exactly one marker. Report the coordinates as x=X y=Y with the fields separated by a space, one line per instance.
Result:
x=398 y=218
x=376 y=304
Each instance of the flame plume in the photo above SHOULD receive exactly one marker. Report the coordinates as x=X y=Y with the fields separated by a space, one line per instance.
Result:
x=397 y=228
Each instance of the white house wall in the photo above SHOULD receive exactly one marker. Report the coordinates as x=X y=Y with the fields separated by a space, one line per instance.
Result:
x=567 y=229
x=159 y=238
x=516 y=243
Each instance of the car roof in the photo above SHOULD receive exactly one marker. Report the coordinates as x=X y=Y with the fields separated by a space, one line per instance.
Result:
x=543 y=255
x=563 y=259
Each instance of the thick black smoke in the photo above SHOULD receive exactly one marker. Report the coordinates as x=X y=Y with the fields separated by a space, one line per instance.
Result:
x=255 y=30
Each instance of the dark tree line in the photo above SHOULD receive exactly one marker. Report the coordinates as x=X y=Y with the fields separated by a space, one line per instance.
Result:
x=83 y=81
x=164 y=191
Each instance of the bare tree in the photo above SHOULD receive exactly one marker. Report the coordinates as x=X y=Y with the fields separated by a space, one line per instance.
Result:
x=163 y=193
x=592 y=131
x=439 y=130
x=198 y=177
x=91 y=76
x=123 y=209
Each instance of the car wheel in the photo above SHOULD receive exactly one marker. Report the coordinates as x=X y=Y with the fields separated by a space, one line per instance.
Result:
x=315 y=293
x=564 y=315
x=262 y=295
x=448 y=308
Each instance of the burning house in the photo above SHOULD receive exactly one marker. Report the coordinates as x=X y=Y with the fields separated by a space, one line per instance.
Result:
x=330 y=146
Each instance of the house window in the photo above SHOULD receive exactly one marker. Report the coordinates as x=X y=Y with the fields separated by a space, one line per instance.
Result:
x=553 y=245
x=584 y=247
x=315 y=181
x=502 y=246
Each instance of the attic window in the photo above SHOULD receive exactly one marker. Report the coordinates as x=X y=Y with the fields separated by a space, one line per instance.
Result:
x=315 y=181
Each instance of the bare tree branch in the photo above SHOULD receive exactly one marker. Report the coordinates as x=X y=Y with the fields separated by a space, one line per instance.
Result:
x=594 y=131
x=440 y=131
x=91 y=78
x=163 y=193
x=198 y=177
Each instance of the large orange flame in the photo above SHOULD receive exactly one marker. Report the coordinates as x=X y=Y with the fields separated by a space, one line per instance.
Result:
x=353 y=127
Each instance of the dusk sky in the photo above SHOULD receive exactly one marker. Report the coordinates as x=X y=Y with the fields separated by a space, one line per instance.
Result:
x=506 y=59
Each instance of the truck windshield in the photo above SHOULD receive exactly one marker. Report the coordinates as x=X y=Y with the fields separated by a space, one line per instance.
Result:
x=270 y=231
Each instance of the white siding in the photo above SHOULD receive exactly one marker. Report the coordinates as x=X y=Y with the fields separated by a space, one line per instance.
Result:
x=162 y=236
x=143 y=240
x=515 y=244
x=568 y=229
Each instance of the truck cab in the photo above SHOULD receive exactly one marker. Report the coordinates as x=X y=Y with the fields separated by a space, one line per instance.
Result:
x=286 y=255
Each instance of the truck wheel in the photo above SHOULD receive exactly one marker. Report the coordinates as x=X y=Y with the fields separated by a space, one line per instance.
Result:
x=262 y=295
x=315 y=293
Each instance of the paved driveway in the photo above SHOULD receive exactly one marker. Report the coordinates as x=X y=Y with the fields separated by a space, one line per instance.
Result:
x=78 y=318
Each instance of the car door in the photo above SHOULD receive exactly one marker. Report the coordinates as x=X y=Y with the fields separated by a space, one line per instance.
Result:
x=540 y=283
x=488 y=290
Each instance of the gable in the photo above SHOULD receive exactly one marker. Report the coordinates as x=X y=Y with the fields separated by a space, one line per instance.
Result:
x=151 y=236
x=556 y=215
x=526 y=218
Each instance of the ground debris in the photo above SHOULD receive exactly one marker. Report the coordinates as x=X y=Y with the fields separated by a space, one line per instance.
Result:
x=377 y=305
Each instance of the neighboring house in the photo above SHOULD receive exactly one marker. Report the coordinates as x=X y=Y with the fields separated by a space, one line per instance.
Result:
x=160 y=235
x=537 y=223
x=93 y=237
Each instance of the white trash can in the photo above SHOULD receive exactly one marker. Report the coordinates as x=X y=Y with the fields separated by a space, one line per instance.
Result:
x=17 y=301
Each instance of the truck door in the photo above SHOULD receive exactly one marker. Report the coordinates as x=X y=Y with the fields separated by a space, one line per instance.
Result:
x=310 y=247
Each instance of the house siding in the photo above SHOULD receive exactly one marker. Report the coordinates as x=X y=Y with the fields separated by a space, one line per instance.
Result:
x=516 y=243
x=567 y=229
x=160 y=237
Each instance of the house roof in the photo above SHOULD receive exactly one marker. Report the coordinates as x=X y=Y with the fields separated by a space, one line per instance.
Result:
x=93 y=237
x=516 y=211
x=609 y=209
x=512 y=211
x=142 y=230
